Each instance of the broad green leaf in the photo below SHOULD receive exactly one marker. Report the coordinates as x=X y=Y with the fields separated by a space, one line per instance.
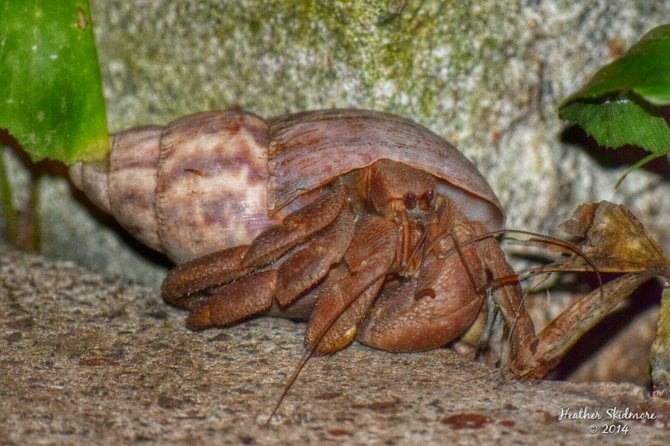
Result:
x=644 y=69
x=51 y=98
x=619 y=120
x=624 y=101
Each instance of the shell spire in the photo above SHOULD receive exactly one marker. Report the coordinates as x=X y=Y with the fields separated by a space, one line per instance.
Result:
x=195 y=186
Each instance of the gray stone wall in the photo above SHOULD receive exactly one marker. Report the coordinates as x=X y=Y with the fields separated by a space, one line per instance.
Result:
x=487 y=75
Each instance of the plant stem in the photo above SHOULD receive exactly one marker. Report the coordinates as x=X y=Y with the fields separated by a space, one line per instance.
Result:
x=7 y=201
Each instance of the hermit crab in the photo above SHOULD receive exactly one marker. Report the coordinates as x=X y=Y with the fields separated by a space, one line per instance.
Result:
x=369 y=225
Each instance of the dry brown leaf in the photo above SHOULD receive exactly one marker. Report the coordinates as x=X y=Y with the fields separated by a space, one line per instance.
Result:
x=613 y=240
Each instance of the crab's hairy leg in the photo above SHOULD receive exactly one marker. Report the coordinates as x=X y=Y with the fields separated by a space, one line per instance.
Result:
x=350 y=289
x=312 y=263
x=229 y=264
x=202 y=273
x=431 y=309
x=536 y=358
x=235 y=301
x=296 y=227
x=333 y=329
x=254 y=293
x=507 y=294
x=369 y=293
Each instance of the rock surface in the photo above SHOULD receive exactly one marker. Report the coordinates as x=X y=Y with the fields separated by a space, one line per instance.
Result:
x=92 y=359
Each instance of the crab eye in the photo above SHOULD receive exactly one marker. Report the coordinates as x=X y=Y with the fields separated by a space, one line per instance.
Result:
x=410 y=201
x=426 y=200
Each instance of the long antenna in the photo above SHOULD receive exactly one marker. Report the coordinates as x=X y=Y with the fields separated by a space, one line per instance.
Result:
x=307 y=355
x=303 y=361
x=537 y=238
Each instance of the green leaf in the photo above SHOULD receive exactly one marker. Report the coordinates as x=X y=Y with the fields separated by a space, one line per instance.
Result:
x=644 y=69
x=51 y=98
x=616 y=121
x=624 y=102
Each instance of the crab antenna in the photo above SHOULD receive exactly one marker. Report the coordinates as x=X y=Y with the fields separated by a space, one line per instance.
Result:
x=539 y=238
x=458 y=248
x=307 y=355
x=294 y=376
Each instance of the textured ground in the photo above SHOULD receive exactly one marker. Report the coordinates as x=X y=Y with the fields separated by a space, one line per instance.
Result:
x=90 y=359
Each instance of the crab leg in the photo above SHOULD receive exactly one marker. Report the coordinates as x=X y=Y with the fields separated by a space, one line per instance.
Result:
x=350 y=289
x=254 y=293
x=613 y=240
x=312 y=263
x=535 y=359
x=508 y=297
x=227 y=265
x=441 y=303
x=429 y=310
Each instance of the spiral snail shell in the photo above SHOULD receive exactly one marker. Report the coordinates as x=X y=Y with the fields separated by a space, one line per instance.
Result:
x=214 y=180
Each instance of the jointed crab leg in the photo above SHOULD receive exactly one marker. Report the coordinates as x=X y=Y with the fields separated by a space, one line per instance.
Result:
x=254 y=293
x=350 y=289
x=536 y=359
x=508 y=297
x=427 y=311
x=311 y=264
x=227 y=265
x=613 y=240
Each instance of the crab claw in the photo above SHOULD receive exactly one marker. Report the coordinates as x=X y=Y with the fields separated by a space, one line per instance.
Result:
x=429 y=310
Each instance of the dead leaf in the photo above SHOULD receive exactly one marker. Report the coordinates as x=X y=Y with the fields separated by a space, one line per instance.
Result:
x=613 y=240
